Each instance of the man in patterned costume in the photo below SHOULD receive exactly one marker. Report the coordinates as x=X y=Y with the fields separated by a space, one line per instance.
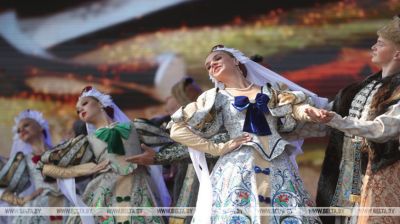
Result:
x=361 y=165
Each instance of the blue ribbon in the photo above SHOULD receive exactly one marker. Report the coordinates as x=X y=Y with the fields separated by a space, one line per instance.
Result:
x=255 y=116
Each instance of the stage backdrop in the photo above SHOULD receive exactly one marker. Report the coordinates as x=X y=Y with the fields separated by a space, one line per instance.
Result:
x=137 y=49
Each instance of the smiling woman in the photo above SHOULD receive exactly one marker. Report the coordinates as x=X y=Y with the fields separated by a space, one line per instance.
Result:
x=255 y=168
x=29 y=130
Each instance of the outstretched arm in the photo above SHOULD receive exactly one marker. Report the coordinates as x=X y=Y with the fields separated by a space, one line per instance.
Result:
x=381 y=129
x=73 y=171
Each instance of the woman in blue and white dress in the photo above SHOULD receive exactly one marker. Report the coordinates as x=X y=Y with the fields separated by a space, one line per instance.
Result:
x=256 y=168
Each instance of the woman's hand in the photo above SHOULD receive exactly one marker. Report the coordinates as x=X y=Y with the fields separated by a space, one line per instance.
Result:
x=146 y=158
x=238 y=141
x=33 y=195
x=319 y=115
x=102 y=166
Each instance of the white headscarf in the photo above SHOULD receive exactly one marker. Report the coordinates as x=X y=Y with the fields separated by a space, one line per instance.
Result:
x=260 y=76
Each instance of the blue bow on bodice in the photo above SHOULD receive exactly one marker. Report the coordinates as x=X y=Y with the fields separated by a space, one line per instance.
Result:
x=255 y=116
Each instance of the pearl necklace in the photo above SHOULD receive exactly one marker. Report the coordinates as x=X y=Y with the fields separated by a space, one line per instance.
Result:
x=241 y=89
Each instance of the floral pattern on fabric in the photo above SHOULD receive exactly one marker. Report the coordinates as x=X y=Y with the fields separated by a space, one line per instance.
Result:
x=122 y=185
x=234 y=177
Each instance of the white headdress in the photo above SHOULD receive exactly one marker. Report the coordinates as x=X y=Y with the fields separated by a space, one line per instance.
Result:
x=260 y=76
x=106 y=101
x=21 y=146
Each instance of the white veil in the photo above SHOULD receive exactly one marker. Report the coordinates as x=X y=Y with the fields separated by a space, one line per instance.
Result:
x=260 y=76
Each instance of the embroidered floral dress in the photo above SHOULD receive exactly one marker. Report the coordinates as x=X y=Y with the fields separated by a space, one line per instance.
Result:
x=259 y=173
x=123 y=184
x=186 y=184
